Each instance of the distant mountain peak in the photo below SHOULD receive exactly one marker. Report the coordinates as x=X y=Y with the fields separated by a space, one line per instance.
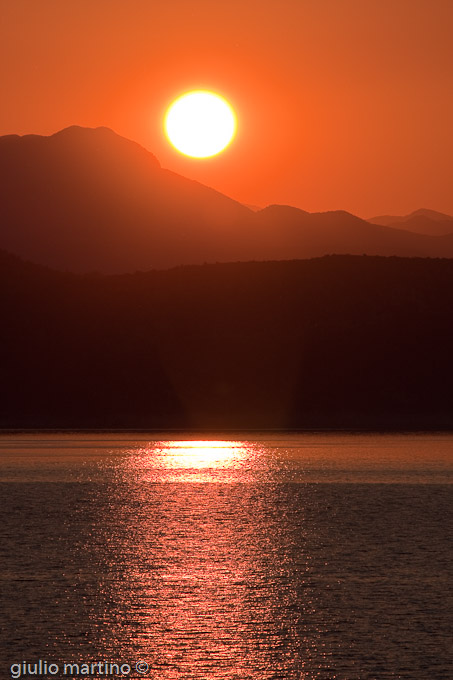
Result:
x=430 y=214
x=104 y=137
x=81 y=129
x=421 y=221
x=420 y=212
x=281 y=209
x=79 y=132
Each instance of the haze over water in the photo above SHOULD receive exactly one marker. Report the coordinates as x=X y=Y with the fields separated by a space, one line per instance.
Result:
x=313 y=556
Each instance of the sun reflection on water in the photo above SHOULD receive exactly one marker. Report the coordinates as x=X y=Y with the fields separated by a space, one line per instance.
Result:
x=201 y=454
x=203 y=579
x=196 y=461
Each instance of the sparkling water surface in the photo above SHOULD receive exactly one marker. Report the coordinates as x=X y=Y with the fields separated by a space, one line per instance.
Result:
x=313 y=556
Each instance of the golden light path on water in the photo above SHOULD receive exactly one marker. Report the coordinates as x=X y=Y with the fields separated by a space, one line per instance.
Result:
x=207 y=585
x=201 y=454
x=196 y=461
x=279 y=457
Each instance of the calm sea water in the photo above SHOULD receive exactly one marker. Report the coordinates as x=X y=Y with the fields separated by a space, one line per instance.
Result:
x=316 y=556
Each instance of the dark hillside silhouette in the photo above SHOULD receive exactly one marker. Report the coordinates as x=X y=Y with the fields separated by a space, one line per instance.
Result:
x=69 y=361
x=88 y=200
x=340 y=341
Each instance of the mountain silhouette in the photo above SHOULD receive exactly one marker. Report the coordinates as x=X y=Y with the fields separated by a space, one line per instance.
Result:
x=339 y=341
x=339 y=232
x=421 y=221
x=88 y=199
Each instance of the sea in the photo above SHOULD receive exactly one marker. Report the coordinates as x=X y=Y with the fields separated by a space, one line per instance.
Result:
x=226 y=556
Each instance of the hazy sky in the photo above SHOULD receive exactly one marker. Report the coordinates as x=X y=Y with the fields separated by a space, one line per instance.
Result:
x=341 y=103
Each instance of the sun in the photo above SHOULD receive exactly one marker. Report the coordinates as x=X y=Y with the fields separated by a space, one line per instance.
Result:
x=200 y=124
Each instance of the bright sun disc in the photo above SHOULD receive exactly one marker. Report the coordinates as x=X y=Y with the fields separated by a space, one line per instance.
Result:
x=200 y=124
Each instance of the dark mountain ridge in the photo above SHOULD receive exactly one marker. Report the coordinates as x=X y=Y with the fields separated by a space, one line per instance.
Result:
x=87 y=199
x=335 y=342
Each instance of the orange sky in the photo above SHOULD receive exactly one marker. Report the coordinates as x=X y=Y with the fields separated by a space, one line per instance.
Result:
x=341 y=103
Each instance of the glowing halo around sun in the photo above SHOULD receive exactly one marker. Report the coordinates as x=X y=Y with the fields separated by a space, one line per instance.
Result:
x=200 y=124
